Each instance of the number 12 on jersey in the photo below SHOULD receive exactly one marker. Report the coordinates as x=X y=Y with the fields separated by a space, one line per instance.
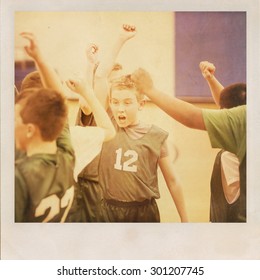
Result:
x=125 y=162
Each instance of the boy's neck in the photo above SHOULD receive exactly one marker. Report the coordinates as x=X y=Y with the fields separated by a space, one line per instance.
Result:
x=41 y=147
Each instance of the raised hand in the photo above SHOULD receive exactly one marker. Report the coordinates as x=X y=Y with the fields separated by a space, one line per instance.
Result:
x=207 y=69
x=77 y=85
x=32 y=49
x=127 y=32
x=92 y=53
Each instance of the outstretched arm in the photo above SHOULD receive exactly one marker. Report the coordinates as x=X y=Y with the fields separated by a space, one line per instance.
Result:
x=49 y=76
x=127 y=32
x=174 y=187
x=101 y=117
x=208 y=70
x=105 y=67
x=183 y=112
x=92 y=62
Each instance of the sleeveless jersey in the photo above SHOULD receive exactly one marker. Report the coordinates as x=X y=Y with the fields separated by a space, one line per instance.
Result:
x=220 y=210
x=128 y=167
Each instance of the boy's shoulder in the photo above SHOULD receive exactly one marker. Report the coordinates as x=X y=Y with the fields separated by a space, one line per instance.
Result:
x=40 y=169
x=42 y=161
x=143 y=129
x=159 y=130
x=157 y=134
x=31 y=171
x=34 y=164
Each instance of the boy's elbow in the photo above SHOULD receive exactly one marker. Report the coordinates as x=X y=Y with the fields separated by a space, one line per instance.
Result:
x=196 y=121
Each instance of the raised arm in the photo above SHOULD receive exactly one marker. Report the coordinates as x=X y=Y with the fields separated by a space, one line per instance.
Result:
x=127 y=32
x=183 y=112
x=49 y=76
x=106 y=66
x=208 y=70
x=101 y=117
x=92 y=62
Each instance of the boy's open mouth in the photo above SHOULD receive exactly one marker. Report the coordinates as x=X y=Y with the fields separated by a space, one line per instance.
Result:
x=121 y=117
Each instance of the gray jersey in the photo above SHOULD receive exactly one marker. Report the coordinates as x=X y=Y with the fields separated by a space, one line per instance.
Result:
x=128 y=167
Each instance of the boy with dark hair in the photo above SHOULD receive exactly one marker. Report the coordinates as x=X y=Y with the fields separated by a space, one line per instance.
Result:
x=225 y=183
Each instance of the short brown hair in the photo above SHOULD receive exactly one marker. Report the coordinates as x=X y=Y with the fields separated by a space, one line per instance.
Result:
x=233 y=96
x=46 y=109
x=32 y=80
x=125 y=82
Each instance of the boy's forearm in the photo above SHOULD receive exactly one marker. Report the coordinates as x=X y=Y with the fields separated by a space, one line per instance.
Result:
x=90 y=69
x=183 y=112
x=178 y=199
x=173 y=186
x=101 y=88
x=106 y=66
x=101 y=117
x=49 y=77
x=215 y=87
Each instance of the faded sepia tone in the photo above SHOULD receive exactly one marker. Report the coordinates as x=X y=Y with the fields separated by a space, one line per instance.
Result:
x=64 y=36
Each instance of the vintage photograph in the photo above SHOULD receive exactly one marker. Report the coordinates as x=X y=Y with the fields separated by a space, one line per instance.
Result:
x=119 y=73
x=127 y=134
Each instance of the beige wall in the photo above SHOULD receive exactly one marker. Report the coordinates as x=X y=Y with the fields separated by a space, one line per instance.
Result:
x=63 y=36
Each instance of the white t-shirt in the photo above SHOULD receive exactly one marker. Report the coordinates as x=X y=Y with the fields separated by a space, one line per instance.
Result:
x=87 y=143
x=230 y=176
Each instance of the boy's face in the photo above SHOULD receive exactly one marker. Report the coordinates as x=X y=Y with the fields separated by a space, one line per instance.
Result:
x=20 y=129
x=125 y=107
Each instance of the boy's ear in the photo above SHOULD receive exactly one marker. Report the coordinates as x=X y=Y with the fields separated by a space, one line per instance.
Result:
x=31 y=129
x=141 y=104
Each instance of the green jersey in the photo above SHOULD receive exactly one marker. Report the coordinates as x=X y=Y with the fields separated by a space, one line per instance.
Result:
x=44 y=184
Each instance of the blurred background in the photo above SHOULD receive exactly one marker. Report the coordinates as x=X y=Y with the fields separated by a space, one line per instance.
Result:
x=170 y=46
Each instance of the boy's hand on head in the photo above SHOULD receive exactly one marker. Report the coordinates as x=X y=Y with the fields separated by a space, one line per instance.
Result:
x=127 y=32
x=32 y=49
x=142 y=80
x=207 y=69
x=92 y=53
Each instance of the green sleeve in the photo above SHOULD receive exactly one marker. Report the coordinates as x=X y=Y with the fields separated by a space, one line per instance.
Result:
x=227 y=129
x=64 y=141
x=21 y=197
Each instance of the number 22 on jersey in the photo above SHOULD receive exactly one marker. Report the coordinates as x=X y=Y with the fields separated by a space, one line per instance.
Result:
x=126 y=161
x=54 y=203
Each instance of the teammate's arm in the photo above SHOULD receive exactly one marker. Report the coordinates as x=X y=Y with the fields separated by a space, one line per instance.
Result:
x=208 y=70
x=49 y=76
x=101 y=117
x=105 y=67
x=183 y=112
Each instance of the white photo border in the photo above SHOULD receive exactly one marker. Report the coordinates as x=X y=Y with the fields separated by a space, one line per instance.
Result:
x=129 y=241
